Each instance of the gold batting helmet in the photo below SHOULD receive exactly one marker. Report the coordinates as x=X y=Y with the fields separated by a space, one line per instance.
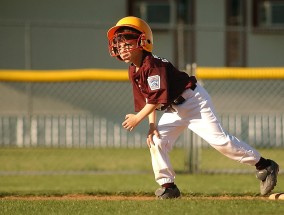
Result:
x=138 y=24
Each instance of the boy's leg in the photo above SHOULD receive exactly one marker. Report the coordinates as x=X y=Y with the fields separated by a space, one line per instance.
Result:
x=170 y=126
x=207 y=126
x=162 y=167
x=266 y=170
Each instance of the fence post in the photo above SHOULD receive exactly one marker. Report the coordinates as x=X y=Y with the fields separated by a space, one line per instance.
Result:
x=192 y=152
x=191 y=144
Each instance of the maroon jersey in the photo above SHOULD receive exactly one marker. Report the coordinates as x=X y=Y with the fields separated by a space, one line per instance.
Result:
x=157 y=82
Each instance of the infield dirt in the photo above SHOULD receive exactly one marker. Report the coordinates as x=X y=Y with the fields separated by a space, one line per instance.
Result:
x=119 y=198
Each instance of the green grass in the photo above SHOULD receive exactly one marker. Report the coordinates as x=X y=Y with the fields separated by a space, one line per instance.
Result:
x=53 y=159
x=112 y=159
x=127 y=172
x=136 y=184
x=212 y=159
x=97 y=184
x=183 y=206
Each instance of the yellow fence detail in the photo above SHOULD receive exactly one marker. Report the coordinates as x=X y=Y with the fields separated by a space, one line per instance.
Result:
x=122 y=75
x=240 y=73
x=63 y=75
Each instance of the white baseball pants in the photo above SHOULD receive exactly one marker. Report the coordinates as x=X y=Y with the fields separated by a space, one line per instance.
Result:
x=196 y=113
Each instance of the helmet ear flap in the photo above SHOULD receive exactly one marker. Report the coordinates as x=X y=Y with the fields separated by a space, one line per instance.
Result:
x=142 y=40
x=145 y=42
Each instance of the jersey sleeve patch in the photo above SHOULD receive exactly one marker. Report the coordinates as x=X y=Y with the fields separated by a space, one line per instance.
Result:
x=154 y=82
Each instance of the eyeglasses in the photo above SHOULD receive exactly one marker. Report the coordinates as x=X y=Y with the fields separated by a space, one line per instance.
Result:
x=126 y=38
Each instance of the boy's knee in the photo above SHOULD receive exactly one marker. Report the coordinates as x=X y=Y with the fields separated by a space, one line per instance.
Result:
x=161 y=143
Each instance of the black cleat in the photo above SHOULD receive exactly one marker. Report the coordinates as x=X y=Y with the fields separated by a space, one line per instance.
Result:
x=168 y=193
x=268 y=177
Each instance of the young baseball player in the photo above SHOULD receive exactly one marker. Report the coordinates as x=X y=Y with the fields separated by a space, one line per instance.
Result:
x=158 y=85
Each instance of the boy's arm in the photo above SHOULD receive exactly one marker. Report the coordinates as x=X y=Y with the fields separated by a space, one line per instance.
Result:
x=152 y=118
x=152 y=128
x=132 y=120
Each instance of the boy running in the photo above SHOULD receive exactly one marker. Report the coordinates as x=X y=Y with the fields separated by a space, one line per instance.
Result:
x=158 y=85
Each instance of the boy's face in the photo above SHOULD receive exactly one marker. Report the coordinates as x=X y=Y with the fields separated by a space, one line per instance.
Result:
x=125 y=45
x=127 y=50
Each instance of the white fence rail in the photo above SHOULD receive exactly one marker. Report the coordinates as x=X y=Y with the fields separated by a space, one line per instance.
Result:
x=92 y=131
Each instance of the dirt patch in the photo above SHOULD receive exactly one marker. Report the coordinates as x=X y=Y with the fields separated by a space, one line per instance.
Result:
x=80 y=197
x=120 y=198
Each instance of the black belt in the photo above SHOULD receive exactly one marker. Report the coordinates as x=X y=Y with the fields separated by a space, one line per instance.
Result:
x=179 y=100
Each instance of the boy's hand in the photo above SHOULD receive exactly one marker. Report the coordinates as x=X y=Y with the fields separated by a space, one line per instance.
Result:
x=152 y=131
x=130 y=122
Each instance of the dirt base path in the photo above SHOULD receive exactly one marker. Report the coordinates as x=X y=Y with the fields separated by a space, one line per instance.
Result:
x=119 y=198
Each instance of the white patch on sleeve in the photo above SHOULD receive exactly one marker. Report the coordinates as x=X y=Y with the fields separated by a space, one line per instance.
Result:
x=154 y=82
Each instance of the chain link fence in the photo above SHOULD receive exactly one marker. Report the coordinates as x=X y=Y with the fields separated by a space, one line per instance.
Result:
x=90 y=113
x=73 y=114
